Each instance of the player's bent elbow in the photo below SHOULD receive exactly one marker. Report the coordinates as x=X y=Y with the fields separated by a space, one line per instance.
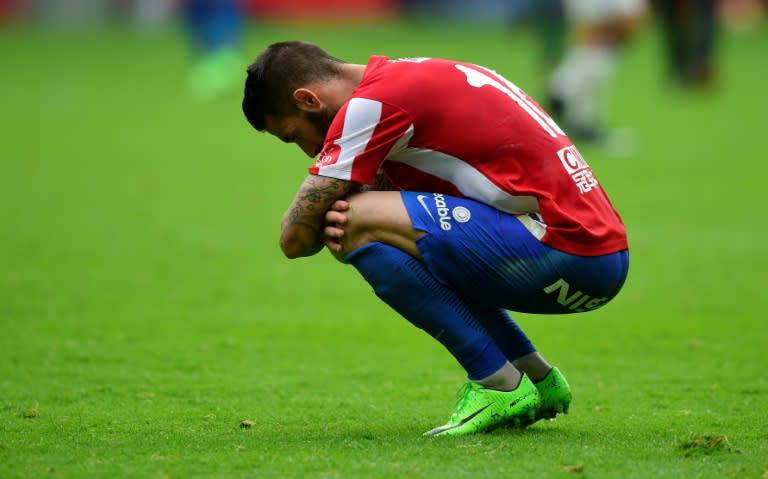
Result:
x=293 y=246
x=291 y=249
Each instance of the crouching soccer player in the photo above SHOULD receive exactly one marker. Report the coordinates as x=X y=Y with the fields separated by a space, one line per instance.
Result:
x=496 y=210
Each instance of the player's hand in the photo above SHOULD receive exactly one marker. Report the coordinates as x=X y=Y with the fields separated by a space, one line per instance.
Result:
x=335 y=219
x=332 y=241
x=339 y=206
x=333 y=233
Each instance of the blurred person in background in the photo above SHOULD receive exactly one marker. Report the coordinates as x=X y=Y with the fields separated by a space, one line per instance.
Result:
x=514 y=218
x=598 y=30
x=547 y=20
x=215 y=28
x=689 y=28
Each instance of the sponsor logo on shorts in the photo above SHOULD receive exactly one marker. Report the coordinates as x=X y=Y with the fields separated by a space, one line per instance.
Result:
x=461 y=214
x=576 y=301
x=422 y=200
x=442 y=212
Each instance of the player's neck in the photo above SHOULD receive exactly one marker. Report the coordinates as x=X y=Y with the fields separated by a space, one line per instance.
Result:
x=353 y=73
x=342 y=87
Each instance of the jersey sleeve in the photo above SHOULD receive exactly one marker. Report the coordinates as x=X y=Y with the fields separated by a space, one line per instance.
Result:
x=363 y=134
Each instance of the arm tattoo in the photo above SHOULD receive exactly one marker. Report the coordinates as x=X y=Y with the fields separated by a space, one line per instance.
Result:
x=314 y=198
x=304 y=220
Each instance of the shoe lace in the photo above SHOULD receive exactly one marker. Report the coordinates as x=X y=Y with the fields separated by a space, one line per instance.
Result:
x=462 y=399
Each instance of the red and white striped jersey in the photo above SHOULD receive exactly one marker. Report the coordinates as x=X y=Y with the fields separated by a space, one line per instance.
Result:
x=449 y=127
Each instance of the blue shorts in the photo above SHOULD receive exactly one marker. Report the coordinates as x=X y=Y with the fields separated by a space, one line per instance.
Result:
x=493 y=257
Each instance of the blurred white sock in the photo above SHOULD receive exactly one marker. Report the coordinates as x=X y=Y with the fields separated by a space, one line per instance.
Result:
x=580 y=80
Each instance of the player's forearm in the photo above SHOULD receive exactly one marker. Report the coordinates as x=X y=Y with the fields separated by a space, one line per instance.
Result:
x=302 y=226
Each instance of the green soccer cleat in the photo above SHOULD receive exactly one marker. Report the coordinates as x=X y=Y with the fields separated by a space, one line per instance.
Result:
x=480 y=410
x=215 y=75
x=555 y=395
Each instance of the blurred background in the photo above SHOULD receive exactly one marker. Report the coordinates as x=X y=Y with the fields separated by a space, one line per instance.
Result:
x=576 y=47
x=136 y=202
x=131 y=186
x=139 y=212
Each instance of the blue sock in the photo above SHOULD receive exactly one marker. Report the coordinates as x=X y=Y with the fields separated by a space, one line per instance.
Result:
x=405 y=284
x=507 y=335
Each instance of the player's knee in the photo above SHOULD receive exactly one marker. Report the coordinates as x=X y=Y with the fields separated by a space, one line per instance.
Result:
x=378 y=216
x=363 y=218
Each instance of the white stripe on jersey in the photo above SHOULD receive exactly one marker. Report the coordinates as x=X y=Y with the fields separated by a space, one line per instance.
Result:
x=471 y=182
x=360 y=121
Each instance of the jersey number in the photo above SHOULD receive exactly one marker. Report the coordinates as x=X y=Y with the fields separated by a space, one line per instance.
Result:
x=477 y=79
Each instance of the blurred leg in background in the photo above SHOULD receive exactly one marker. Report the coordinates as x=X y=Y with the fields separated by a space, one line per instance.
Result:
x=546 y=20
x=549 y=22
x=598 y=30
x=215 y=29
x=689 y=29
x=152 y=13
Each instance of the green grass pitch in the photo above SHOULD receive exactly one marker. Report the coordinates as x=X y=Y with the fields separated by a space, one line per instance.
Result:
x=146 y=310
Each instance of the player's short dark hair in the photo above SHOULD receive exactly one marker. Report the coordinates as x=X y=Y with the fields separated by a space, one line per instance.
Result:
x=277 y=72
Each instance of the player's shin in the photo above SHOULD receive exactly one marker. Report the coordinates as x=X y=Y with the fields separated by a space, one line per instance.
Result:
x=405 y=284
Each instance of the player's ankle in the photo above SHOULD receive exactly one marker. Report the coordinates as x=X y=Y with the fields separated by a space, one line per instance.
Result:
x=533 y=365
x=505 y=379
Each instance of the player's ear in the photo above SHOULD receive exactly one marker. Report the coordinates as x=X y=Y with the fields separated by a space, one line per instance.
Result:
x=306 y=100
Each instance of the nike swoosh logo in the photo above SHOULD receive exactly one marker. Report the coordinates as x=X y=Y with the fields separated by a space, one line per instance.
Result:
x=420 y=199
x=463 y=421
x=471 y=416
